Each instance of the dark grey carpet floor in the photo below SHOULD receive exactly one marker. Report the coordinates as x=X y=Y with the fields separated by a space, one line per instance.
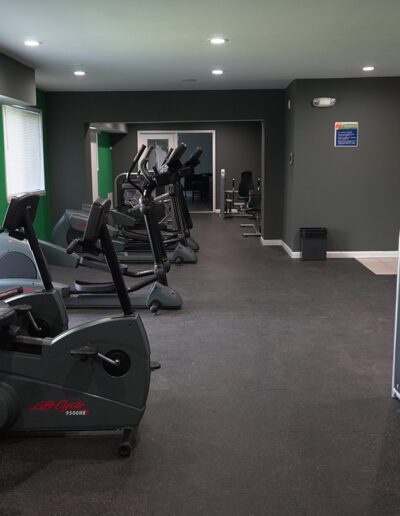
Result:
x=273 y=399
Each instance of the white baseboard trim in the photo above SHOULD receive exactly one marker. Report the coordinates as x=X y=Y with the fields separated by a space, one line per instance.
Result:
x=270 y=242
x=218 y=210
x=362 y=254
x=290 y=252
x=332 y=254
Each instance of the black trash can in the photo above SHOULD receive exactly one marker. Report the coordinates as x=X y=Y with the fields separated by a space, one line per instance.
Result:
x=313 y=243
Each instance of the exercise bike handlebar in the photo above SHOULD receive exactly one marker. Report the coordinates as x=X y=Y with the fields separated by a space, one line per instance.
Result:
x=73 y=245
x=6 y=294
x=80 y=245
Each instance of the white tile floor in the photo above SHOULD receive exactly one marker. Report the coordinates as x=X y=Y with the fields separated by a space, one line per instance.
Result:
x=380 y=266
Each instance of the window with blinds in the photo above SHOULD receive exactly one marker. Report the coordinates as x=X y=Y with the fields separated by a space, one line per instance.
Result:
x=23 y=145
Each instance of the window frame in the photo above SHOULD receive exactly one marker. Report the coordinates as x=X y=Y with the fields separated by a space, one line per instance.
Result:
x=40 y=192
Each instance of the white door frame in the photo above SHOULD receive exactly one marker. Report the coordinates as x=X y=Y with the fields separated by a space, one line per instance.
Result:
x=155 y=134
x=214 y=154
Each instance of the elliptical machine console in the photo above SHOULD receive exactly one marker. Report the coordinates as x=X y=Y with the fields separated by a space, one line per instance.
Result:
x=94 y=377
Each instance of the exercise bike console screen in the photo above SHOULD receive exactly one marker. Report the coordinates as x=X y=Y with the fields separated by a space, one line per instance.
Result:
x=97 y=216
x=14 y=218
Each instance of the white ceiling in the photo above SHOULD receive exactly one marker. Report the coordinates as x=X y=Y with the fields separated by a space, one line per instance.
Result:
x=154 y=45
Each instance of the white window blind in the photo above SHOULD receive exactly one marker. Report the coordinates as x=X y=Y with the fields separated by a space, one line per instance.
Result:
x=23 y=145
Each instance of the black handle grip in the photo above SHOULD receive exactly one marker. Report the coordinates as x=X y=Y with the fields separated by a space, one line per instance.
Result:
x=176 y=155
x=144 y=162
x=136 y=159
x=148 y=152
x=194 y=158
x=73 y=245
x=170 y=151
x=6 y=294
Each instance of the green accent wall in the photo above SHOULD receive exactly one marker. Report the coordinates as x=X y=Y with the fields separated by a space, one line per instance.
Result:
x=105 y=164
x=3 y=195
x=42 y=222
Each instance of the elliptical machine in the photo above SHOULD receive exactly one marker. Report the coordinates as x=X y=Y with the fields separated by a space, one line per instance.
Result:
x=151 y=290
x=180 y=212
x=131 y=247
x=94 y=377
x=161 y=294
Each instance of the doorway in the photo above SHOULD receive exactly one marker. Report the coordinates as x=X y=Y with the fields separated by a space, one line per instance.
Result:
x=101 y=164
x=162 y=142
x=199 y=189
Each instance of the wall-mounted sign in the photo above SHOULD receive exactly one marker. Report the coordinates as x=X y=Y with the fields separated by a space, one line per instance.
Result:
x=346 y=134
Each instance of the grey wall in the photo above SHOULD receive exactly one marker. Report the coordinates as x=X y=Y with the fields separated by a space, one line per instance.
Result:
x=17 y=81
x=70 y=113
x=353 y=192
x=238 y=147
x=288 y=197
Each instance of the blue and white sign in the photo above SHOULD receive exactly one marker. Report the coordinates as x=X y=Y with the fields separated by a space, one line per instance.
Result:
x=346 y=134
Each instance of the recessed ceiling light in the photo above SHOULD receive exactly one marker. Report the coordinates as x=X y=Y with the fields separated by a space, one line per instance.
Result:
x=218 y=41
x=32 y=43
x=79 y=73
x=368 y=68
x=217 y=72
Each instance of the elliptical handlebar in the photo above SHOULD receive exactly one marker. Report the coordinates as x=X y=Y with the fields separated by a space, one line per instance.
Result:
x=143 y=163
x=176 y=155
x=170 y=151
x=135 y=161
x=194 y=158
x=150 y=149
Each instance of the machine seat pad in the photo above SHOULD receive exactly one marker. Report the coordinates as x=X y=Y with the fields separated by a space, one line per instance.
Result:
x=7 y=315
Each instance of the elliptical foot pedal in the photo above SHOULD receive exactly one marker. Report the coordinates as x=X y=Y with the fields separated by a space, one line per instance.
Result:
x=154 y=365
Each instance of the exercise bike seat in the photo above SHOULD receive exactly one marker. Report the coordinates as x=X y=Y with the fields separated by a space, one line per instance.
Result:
x=7 y=315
